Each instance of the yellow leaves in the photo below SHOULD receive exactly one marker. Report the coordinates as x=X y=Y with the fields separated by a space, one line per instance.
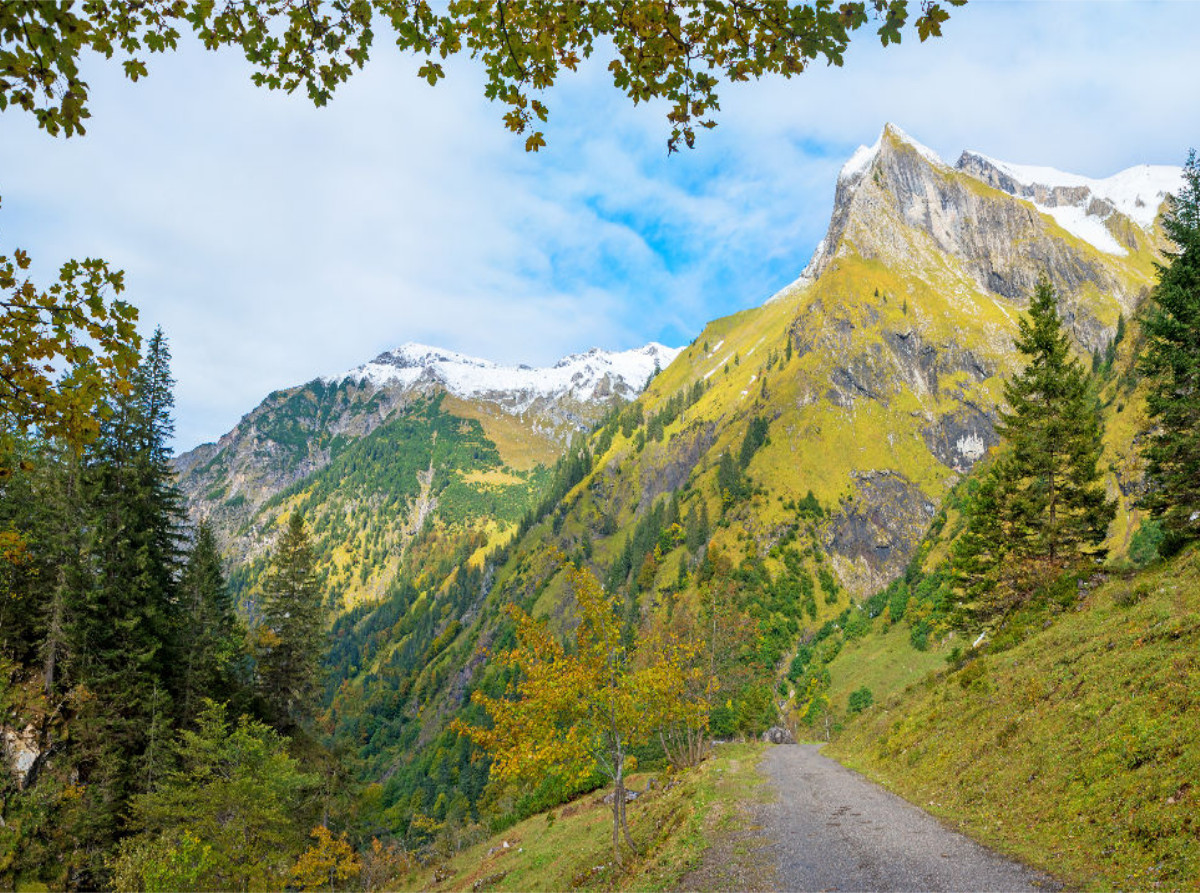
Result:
x=432 y=72
x=325 y=862
x=578 y=709
x=13 y=549
x=267 y=638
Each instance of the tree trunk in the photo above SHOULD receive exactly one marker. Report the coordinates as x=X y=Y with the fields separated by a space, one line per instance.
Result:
x=625 y=827
x=54 y=633
x=618 y=801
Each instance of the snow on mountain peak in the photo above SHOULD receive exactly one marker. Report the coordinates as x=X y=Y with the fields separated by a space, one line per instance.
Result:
x=587 y=376
x=860 y=161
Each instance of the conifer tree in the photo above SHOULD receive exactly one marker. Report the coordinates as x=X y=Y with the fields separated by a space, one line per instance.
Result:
x=127 y=624
x=977 y=558
x=1042 y=504
x=1052 y=498
x=211 y=626
x=291 y=637
x=1171 y=360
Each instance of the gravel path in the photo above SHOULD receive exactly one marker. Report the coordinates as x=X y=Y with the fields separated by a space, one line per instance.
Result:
x=831 y=829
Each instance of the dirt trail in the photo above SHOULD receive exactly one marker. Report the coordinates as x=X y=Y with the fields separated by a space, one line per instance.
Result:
x=831 y=829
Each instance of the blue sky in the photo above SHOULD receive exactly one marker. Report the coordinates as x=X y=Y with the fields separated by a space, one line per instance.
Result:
x=275 y=242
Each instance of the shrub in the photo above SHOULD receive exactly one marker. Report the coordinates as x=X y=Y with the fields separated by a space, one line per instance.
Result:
x=861 y=699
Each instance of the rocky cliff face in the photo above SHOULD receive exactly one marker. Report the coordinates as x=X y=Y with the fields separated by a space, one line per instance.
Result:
x=901 y=328
x=901 y=205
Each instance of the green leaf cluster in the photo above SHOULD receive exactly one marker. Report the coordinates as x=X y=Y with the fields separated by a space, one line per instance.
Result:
x=677 y=50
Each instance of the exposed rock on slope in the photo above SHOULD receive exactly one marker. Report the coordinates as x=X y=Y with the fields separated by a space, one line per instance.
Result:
x=523 y=418
x=901 y=328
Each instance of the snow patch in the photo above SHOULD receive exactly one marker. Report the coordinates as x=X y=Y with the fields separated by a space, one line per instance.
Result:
x=1089 y=227
x=859 y=162
x=971 y=447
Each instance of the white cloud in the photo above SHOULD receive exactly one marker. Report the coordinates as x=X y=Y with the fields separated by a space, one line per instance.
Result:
x=275 y=242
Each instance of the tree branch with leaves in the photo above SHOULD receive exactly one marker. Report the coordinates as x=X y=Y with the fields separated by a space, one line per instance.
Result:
x=678 y=50
x=582 y=709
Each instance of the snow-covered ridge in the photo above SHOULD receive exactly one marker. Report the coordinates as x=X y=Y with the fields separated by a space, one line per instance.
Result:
x=586 y=376
x=1136 y=192
x=1083 y=205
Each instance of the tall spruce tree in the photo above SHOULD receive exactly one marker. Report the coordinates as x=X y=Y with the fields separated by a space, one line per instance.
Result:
x=290 y=642
x=1052 y=496
x=127 y=625
x=1171 y=360
x=215 y=635
x=1042 y=504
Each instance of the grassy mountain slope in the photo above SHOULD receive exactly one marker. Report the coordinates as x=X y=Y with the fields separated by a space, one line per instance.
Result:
x=1075 y=748
x=786 y=462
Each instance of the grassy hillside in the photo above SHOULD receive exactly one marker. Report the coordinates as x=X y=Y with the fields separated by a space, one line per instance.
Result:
x=402 y=500
x=570 y=847
x=1076 y=748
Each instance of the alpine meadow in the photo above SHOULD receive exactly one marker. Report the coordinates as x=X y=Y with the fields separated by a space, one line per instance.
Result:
x=884 y=577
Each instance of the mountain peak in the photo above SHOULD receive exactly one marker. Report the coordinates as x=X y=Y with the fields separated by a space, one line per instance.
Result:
x=906 y=175
x=890 y=139
x=414 y=355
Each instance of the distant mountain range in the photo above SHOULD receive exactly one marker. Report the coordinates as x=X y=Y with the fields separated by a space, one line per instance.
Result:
x=523 y=416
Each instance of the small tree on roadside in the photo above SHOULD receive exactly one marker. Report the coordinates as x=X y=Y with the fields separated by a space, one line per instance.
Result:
x=576 y=710
x=678 y=689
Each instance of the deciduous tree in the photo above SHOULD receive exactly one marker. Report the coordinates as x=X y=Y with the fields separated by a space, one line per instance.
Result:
x=65 y=351
x=580 y=709
x=677 y=50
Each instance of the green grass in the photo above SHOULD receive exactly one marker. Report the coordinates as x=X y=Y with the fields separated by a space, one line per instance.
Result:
x=1078 y=750
x=886 y=663
x=673 y=825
